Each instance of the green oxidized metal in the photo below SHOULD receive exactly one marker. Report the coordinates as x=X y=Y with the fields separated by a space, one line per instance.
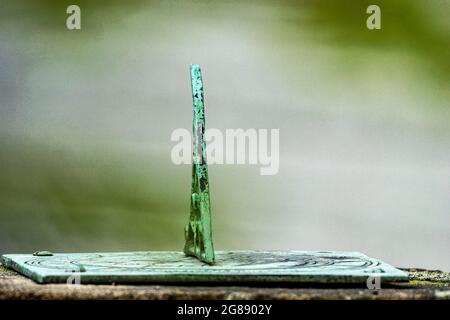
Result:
x=198 y=234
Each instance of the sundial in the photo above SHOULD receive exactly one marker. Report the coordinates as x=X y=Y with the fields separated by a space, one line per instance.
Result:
x=229 y=267
x=199 y=263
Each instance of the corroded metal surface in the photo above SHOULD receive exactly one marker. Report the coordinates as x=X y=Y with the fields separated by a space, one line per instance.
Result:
x=198 y=234
x=230 y=267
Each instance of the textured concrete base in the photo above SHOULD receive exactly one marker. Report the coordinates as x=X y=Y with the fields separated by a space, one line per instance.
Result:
x=423 y=284
x=230 y=267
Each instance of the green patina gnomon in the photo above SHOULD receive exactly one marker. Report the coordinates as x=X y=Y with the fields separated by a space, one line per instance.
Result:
x=198 y=234
x=223 y=267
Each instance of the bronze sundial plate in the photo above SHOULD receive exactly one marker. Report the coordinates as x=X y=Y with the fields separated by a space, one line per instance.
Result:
x=229 y=267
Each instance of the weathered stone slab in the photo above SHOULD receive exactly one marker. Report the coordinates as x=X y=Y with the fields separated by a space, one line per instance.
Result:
x=230 y=267
x=422 y=284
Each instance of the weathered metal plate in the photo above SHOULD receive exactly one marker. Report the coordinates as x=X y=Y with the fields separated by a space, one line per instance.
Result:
x=230 y=267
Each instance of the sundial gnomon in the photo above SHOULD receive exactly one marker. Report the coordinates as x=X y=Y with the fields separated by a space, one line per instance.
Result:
x=199 y=262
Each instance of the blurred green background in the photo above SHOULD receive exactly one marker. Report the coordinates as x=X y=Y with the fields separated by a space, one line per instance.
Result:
x=86 y=118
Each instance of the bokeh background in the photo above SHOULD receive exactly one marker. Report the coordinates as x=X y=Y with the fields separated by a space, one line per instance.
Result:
x=86 y=118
